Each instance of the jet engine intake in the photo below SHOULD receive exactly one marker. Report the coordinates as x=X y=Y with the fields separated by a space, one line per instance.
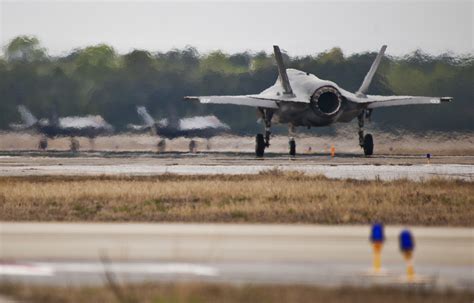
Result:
x=326 y=101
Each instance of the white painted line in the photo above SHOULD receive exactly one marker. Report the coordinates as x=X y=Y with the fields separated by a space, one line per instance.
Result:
x=26 y=270
x=50 y=268
x=338 y=171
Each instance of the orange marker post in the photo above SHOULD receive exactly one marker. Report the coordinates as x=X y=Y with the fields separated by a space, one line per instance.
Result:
x=333 y=151
x=410 y=268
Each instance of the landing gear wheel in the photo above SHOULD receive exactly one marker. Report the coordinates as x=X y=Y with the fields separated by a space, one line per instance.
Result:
x=43 y=144
x=259 y=145
x=192 y=146
x=161 y=146
x=74 y=146
x=368 y=145
x=292 y=145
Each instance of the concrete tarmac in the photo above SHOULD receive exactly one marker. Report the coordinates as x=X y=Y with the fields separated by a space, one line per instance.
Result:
x=57 y=253
x=385 y=167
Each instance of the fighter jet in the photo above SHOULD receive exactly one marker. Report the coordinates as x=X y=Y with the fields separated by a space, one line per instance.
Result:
x=194 y=127
x=87 y=126
x=299 y=98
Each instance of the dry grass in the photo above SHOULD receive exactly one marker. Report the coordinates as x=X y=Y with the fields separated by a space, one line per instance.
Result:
x=197 y=293
x=271 y=197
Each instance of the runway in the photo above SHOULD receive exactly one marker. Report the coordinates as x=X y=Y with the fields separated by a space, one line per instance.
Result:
x=383 y=167
x=55 y=253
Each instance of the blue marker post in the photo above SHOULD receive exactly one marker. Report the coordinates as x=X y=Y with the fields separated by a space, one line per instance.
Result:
x=428 y=158
x=407 y=246
x=377 y=237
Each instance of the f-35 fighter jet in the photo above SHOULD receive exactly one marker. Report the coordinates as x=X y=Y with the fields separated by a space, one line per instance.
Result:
x=193 y=127
x=302 y=99
x=86 y=126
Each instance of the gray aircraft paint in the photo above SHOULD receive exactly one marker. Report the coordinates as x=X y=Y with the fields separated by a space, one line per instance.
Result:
x=293 y=102
x=199 y=126
x=88 y=126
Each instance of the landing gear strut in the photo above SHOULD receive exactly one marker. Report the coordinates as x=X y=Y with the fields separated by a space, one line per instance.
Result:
x=263 y=141
x=74 y=145
x=161 y=146
x=291 y=141
x=192 y=146
x=365 y=141
x=43 y=143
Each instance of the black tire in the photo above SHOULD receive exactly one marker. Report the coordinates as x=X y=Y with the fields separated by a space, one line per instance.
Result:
x=74 y=146
x=368 y=145
x=161 y=146
x=259 y=145
x=292 y=146
x=192 y=146
x=43 y=144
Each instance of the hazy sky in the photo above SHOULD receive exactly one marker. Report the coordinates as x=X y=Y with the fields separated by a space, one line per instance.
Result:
x=304 y=27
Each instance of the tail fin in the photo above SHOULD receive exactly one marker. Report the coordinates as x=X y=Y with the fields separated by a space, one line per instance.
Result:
x=370 y=75
x=26 y=116
x=282 y=71
x=147 y=119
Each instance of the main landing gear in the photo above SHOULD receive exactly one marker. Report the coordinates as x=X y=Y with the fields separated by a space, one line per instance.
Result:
x=365 y=141
x=161 y=146
x=292 y=146
x=262 y=141
x=74 y=145
x=259 y=145
x=43 y=143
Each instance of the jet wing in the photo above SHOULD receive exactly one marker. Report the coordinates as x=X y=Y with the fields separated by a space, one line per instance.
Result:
x=201 y=122
x=386 y=101
x=236 y=100
x=83 y=122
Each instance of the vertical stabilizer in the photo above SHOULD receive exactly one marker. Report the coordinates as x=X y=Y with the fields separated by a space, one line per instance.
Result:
x=370 y=75
x=285 y=82
x=143 y=113
x=26 y=116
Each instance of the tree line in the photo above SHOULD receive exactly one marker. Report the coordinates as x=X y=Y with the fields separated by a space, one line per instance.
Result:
x=98 y=80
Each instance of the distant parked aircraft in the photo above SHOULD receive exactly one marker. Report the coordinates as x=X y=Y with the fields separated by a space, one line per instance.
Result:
x=302 y=99
x=86 y=126
x=193 y=127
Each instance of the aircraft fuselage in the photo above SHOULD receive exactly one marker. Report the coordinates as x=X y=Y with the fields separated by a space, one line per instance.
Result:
x=304 y=114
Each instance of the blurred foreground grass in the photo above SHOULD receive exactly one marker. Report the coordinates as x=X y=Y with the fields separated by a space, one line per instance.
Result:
x=218 y=293
x=270 y=197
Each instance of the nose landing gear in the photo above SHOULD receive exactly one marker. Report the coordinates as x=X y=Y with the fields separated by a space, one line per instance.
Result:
x=43 y=143
x=74 y=145
x=161 y=146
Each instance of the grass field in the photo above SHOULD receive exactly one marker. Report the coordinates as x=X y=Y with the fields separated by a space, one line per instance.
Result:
x=271 y=197
x=218 y=293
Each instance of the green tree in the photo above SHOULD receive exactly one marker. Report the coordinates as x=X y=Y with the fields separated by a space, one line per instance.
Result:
x=25 y=48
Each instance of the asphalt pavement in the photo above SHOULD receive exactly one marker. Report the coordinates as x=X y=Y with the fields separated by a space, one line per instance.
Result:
x=57 y=253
